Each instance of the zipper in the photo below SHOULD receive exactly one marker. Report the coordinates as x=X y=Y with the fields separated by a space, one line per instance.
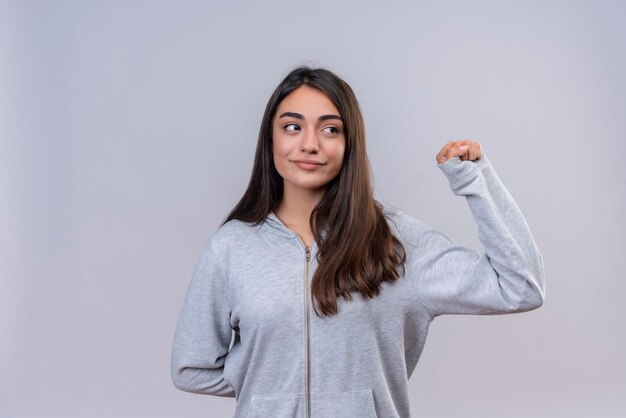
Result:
x=308 y=335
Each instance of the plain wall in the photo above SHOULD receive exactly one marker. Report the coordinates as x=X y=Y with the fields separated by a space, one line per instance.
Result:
x=128 y=130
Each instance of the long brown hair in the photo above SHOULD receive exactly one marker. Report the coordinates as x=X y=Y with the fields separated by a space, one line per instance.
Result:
x=357 y=252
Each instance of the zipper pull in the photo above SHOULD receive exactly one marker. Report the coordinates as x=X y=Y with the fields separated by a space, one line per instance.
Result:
x=308 y=254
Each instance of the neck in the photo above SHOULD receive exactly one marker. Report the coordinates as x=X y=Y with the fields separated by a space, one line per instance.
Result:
x=296 y=206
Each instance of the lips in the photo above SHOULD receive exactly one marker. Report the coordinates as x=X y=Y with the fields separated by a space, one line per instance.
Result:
x=308 y=164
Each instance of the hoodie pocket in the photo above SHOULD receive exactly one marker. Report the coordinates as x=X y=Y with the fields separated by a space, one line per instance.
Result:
x=276 y=406
x=357 y=403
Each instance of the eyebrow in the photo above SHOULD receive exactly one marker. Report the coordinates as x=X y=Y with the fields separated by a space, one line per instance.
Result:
x=299 y=116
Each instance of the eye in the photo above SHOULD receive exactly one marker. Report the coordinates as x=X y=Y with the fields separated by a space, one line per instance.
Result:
x=291 y=127
x=331 y=129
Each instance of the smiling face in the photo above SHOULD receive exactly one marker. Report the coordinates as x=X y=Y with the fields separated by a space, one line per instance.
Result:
x=308 y=139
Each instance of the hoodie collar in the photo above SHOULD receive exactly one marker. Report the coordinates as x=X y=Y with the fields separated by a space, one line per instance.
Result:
x=279 y=227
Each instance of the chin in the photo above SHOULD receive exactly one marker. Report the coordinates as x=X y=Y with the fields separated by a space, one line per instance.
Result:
x=313 y=186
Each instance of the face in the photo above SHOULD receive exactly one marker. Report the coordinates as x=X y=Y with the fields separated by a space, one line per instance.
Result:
x=308 y=139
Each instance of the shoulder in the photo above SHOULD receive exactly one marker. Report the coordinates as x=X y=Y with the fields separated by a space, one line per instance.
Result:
x=408 y=229
x=229 y=235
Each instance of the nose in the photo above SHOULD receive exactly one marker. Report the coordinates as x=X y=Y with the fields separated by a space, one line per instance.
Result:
x=310 y=142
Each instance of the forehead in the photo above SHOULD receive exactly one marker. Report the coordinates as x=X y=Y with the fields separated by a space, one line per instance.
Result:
x=307 y=100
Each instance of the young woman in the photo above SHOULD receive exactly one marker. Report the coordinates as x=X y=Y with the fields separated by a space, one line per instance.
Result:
x=325 y=295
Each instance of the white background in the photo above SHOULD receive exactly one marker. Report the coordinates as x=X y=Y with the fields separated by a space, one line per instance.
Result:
x=128 y=130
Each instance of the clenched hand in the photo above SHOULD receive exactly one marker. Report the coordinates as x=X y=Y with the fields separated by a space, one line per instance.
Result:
x=466 y=149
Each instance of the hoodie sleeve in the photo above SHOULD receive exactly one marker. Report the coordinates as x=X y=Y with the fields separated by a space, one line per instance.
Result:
x=508 y=277
x=203 y=332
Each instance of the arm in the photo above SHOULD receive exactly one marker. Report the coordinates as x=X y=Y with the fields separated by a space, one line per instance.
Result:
x=507 y=278
x=203 y=332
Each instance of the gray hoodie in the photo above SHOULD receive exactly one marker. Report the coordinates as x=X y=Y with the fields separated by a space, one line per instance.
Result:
x=286 y=362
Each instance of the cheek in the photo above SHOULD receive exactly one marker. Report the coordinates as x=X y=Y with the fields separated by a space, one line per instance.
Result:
x=335 y=155
x=279 y=153
x=338 y=151
x=279 y=143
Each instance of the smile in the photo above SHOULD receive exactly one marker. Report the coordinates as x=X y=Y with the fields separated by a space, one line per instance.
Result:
x=308 y=164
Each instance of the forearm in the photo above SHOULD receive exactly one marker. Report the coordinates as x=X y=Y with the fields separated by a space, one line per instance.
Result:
x=198 y=379
x=503 y=231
